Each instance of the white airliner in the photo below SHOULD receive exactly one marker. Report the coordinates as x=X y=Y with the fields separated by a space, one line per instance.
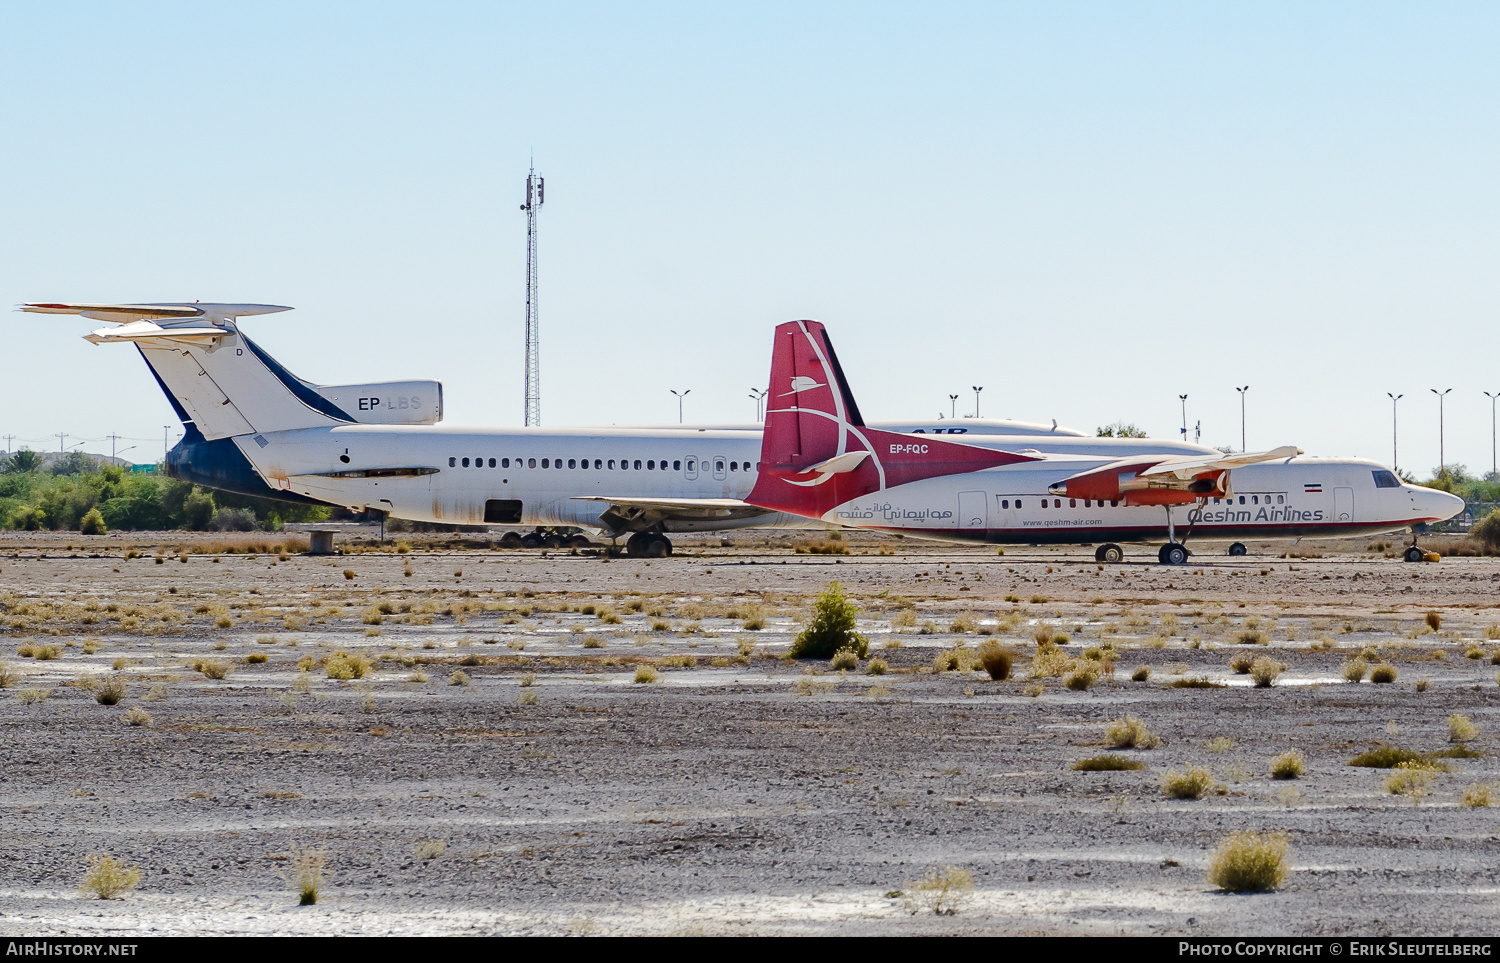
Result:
x=253 y=427
x=820 y=461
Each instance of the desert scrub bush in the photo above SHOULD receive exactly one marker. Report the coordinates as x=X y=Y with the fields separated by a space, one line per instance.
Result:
x=373 y=616
x=996 y=660
x=1043 y=635
x=1433 y=620
x=46 y=653
x=1219 y=744
x=844 y=659
x=1250 y=862
x=257 y=658
x=831 y=628
x=345 y=666
x=1195 y=682
x=644 y=675
x=1385 y=756
x=1410 y=779
x=1107 y=763
x=7 y=677
x=1422 y=684
x=904 y=619
x=609 y=618
x=1080 y=679
x=1383 y=673
x=1461 y=728
x=593 y=642
x=529 y=699
x=109 y=690
x=1354 y=670
x=877 y=666
x=962 y=624
x=1048 y=662
x=157 y=693
x=1479 y=795
x=1265 y=671
x=528 y=680
x=459 y=677
x=942 y=891
x=1191 y=783
x=755 y=623
x=1240 y=664
x=1288 y=765
x=107 y=877
x=213 y=669
x=1252 y=637
x=1128 y=732
x=1141 y=673
x=136 y=716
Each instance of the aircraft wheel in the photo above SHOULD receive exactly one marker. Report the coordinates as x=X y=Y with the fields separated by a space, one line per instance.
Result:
x=553 y=541
x=531 y=540
x=580 y=541
x=510 y=540
x=1109 y=553
x=1173 y=554
x=1238 y=548
x=1412 y=554
x=635 y=545
x=658 y=547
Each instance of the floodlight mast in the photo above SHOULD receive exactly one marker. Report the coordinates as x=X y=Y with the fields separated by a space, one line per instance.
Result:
x=535 y=194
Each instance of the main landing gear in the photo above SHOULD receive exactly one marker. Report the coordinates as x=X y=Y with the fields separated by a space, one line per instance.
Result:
x=648 y=545
x=1174 y=552
x=544 y=538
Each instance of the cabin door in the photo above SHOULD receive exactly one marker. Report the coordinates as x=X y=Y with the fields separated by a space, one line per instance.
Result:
x=973 y=511
x=1343 y=504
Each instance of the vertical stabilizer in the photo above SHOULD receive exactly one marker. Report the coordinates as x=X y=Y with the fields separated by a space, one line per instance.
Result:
x=817 y=453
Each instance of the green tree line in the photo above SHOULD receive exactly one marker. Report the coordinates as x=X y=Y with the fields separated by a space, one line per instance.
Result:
x=79 y=495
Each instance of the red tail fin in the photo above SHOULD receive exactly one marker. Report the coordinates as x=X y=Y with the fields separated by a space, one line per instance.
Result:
x=816 y=452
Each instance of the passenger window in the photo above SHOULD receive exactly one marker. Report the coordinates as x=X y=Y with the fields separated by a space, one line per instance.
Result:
x=1280 y=499
x=1005 y=503
x=1057 y=503
x=557 y=463
x=1242 y=499
x=692 y=465
x=651 y=466
x=677 y=465
x=734 y=466
x=1113 y=503
x=572 y=463
x=611 y=464
x=492 y=463
x=1018 y=503
x=531 y=463
x=505 y=463
x=466 y=463
x=544 y=463
x=453 y=463
x=1072 y=503
x=718 y=466
x=1044 y=503
x=598 y=464
x=637 y=464
x=584 y=463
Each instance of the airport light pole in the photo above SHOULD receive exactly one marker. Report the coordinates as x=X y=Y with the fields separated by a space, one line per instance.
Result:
x=954 y=412
x=977 y=390
x=1184 y=416
x=759 y=396
x=1442 y=455
x=680 y=395
x=1493 y=467
x=1242 y=416
x=1395 y=461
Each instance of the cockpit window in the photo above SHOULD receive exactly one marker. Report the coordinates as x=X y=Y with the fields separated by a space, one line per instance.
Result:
x=1384 y=479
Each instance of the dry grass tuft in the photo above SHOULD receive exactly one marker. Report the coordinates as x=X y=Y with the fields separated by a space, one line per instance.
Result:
x=1385 y=757
x=136 y=716
x=461 y=678
x=942 y=891
x=108 y=877
x=430 y=848
x=844 y=659
x=1354 y=670
x=1461 y=728
x=109 y=690
x=1479 y=795
x=1383 y=673
x=257 y=658
x=345 y=666
x=1129 y=732
x=1240 y=664
x=1141 y=673
x=877 y=666
x=306 y=866
x=996 y=660
x=1288 y=765
x=213 y=669
x=1410 y=779
x=1196 y=682
x=1191 y=783
x=1265 y=671
x=529 y=698
x=1107 y=763
x=1250 y=862
x=1434 y=621
x=1080 y=679
x=645 y=675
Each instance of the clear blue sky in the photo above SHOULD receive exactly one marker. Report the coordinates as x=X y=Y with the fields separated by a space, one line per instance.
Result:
x=1088 y=209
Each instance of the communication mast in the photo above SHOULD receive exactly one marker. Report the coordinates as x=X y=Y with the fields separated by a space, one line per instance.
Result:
x=534 y=197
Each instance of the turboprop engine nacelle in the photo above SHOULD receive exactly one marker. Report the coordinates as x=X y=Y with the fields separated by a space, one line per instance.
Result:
x=388 y=402
x=1123 y=483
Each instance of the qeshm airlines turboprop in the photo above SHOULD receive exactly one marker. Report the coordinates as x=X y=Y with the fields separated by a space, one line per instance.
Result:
x=251 y=426
x=819 y=460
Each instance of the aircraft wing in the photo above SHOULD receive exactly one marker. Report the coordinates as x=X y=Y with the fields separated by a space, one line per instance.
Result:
x=626 y=514
x=1167 y=480
x=1186 y=468
x=126 y=313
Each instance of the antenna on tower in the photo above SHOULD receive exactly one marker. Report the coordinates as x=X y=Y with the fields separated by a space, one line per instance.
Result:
x=535 y=194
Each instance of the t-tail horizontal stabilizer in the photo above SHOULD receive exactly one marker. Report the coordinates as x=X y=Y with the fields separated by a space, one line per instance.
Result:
x=817 y=453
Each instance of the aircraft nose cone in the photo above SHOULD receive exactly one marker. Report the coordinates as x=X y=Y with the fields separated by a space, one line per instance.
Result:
x=1442 y=505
